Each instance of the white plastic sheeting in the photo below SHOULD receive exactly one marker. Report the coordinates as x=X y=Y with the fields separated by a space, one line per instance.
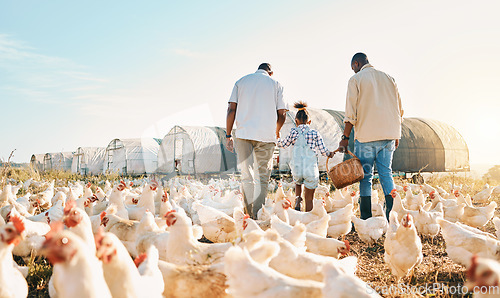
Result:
x=36 y=161
x=326 y=125
x=131 y=156
x=57 y=161
x=194 y=150
x=88 y=160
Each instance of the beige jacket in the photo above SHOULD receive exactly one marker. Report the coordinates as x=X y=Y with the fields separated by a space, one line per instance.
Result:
x=373 y=106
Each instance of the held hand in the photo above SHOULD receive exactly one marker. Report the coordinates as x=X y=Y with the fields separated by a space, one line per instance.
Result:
x=277 y=134
x=397 y=144
x=343 y=145
x=230 y=144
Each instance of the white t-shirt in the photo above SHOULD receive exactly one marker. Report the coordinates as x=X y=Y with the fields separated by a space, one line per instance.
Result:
x=258 y=97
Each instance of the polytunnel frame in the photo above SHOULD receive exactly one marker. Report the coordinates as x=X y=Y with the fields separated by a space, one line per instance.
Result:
x=84 y=160
x=192 y=146
x=111 y=150
x=61 y=164
x=78 y=154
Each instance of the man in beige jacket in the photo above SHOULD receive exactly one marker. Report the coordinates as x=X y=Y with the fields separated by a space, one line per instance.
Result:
x=373 y=108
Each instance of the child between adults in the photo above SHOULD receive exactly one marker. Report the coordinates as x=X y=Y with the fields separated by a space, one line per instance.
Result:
x=304 y=164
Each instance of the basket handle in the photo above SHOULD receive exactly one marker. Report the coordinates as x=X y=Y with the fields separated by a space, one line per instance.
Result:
x=338 y=150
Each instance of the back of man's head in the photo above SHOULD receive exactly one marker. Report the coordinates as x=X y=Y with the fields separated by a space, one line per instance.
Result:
x=266 y=67
x=361 y=58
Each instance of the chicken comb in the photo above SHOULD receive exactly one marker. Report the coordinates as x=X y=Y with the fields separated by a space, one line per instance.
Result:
x=103 y=214
x=246 y=216
x=405 y=188
x=70 y=204
x=18 y=223
x=88 y=185
x=99 y=236
x=171 y=211
x=347 y=245
x=55 y=227
x=472 y=269
x=140 y=258
x=432 y=192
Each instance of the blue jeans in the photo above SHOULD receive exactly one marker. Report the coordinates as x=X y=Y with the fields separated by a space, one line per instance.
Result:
x=379 y=153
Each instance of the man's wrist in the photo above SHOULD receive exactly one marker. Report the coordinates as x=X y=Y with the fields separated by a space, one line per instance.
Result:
x=344 y=137
x=228 y=136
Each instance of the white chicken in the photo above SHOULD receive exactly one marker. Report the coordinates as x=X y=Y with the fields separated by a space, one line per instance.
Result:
x=484 y=195
x=454 y=213
x=316 y=244
x=120 y=272
x=183 y=248
x=151 y=276
x=436 y=198
x=76 y=272
x=340 y=284
x=483 y=277
x=217 y=226
x=12 y=282
x=403 y=247
x=124 y=229
x=304 y=265
x=150 y=234
x=463 y=241
x=264 y=281
x=340 y=222
x=371 y=229
x=317 y=212
x=426 y=221
x=478 y=216
x=414 y=202
x=78 y=222
x=146 y=202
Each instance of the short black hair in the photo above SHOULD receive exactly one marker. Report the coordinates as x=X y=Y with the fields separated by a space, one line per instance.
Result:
x=361 y=58
x=265 y=66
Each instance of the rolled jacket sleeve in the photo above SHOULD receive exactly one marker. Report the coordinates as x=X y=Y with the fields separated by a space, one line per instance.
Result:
x=234 y=94
x=400 y=105
x=351 y=102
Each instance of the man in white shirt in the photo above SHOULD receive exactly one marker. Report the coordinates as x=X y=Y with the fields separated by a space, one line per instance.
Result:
x=258 y=109
x=373 y=108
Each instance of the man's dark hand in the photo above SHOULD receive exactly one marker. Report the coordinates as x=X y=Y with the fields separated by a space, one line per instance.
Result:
x=397 y=143
x=343 y=145
x=230 y=144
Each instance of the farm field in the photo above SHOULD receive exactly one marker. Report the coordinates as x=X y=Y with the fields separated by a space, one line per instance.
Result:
x=437 y=275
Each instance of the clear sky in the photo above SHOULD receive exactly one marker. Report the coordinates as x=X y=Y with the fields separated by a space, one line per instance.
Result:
x=81 y=73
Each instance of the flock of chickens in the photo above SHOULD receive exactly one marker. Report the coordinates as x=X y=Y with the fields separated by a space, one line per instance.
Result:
x=142 y=238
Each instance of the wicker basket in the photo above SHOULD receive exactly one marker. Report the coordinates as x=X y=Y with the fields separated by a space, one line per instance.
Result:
x=346 y=173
